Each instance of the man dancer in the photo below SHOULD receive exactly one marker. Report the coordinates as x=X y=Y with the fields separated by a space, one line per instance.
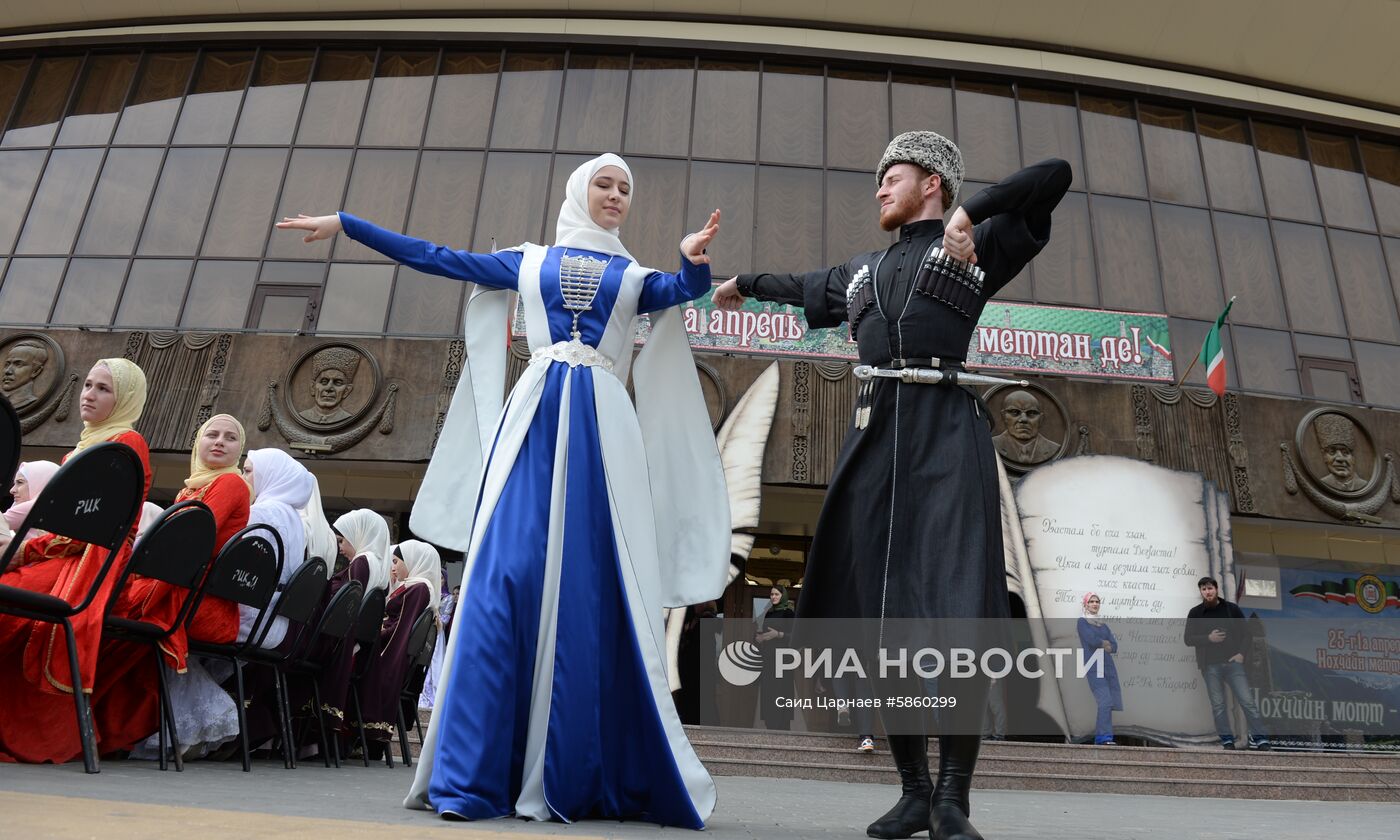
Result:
x=911 y=524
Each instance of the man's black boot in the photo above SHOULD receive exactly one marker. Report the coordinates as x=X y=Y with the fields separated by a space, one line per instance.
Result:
x=950 y=806
x=910 y=814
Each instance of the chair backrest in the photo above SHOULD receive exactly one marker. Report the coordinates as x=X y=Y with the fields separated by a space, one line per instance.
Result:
x=11 y=436
x=303 y=592
x=178 y=546
x=420 y=635
x=94 y=498
x=247 y=568
x=338 y=619
x=419 y=652
x=371 y=618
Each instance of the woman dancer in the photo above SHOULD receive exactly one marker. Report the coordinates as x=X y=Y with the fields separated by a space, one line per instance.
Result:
x=558 y=707
x=36 y=712
x=1108 y=696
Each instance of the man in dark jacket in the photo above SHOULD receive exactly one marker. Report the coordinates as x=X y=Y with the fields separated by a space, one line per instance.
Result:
x=911 y=524
x=1218 y=631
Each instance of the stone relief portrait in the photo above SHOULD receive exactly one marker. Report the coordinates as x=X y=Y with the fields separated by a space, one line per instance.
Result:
x=1336 y=438
x=331 y=386
x=32 y=368
x=1031 y=425
x=1339 y=467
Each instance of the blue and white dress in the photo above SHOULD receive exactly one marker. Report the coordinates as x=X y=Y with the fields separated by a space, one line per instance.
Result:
x=581 y=518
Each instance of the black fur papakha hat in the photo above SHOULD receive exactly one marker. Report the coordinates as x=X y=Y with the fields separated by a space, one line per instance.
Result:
x=928 y=149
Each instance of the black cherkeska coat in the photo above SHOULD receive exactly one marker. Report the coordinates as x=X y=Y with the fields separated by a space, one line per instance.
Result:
x=911 y=524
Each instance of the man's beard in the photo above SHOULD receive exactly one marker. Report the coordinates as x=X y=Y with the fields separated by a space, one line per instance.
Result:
x=903 y=209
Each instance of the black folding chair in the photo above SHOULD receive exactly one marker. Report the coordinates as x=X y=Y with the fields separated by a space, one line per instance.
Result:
x=176 y=550
x=420 y=654
x=297 y=603
x=11 y=436
x=94 y=498
x=319 y=648
x=366 y=635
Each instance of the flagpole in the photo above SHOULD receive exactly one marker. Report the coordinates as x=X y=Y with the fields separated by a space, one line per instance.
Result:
x=1197 y=357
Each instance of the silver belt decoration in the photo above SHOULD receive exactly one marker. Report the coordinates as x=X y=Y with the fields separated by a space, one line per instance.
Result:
x=916 y=376
x=572 y=353
x=579 y=279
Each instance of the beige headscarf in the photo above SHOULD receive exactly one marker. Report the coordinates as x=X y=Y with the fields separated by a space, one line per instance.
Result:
x=201 y=473
x=129 y=381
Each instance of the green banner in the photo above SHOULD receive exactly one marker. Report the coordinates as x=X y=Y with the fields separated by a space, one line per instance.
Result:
x=1009 y=336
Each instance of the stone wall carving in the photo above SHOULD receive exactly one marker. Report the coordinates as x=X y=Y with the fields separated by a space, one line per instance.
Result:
x=1193 y=430
x=34 y=377
x=184 y=376
x=328 y=404
x=1338 y=466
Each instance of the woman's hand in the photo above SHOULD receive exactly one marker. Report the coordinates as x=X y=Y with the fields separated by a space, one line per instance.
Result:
x=320 y=227
x=694 y=245
x=1107 y=645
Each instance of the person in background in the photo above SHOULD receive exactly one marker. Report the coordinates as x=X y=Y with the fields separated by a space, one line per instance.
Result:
x=1217 y=630
x=430 y=682
x=776 y=692
x=30 y=480
x=1094 y=634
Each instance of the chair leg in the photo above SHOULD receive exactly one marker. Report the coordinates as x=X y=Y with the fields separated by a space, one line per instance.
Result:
x=80 y=702
x=167 y=711
x=161 y=729
x=284 y=719
x=403 y=739
x=360 y=723
x=242 y=716
x=320 y=722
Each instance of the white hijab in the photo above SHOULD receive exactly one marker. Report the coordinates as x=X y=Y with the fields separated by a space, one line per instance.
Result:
x=424 y=566
x=281 y=485
x=320 y=539
x=368 y=535
x=575 y=228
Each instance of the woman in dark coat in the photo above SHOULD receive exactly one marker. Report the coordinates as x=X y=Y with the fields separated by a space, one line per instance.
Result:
x=1093 y=635
x=775 y=695
x=417 y=581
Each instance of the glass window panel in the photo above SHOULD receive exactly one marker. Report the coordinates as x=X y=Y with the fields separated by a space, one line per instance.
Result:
x=425 y=304
x=27 y=294
x=1123 y=241
x=921 y=104
x=1288 y=180
x=273 y=101
x=293 y=273
x=1328 y=384
x=1231 y=171
x=219 y=295
x=987 y=124
x=444 y=201
x=519 y=184
x=315 y=184
x=728 y=186
x=858 y=112
x=379 y=187
x=1309 y=285
x=150 y=114
x=655 y=223
x=852 y=219
x=282 y=313
x=1321 y=346
x=1392 y=256
x=1173 y=159
x=243 y=210
x=119 y=202
x=1366 y=292
x=1379 y=367
x=153 y=293
x=595 y=95
x=1266 y=360
x=528 y=104
x=1247 y=258
x=212 y=105
x=1190 y=273
x=1112 y=149
x=336 y=98
x=791 y=122
x=1050 y=129
x=38 y=114
x=398 y=99
x=1191 y=335
x=19 y=171
x=789 y=232
x=356 y=299
x=106 y=80
x=89 y=292
x=1340 y=183
x=59 y=204
x=726 y=110
x=463 y=99
x=1383 y=169
x=181 y=205
x=1064 y=271
x=658 y=105
x=12 y=73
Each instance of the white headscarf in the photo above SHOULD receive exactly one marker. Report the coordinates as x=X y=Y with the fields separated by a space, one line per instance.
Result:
x=320 y=539
x=281 y=485
x=424 y=566
x=575 y=228
x=150 y=511
x=368 y=535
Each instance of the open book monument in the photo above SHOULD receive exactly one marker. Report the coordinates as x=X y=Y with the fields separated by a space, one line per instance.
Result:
x=1140 y=536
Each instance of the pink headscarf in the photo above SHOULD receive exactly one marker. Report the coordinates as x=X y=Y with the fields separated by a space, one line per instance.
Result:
x=38 y=474
x=1095 y=620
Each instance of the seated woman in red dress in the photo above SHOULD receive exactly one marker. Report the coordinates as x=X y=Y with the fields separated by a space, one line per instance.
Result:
x=127 y=708
x=36 y=707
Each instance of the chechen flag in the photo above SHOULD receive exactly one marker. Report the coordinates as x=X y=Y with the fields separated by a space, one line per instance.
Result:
x=1213 y=355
